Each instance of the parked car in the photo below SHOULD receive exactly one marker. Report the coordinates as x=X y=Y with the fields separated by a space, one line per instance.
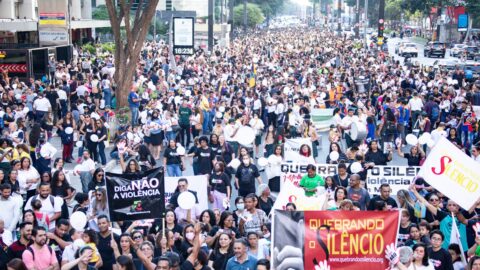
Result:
x=472 y=52
x=434 y=48
x=457 y=50
x=409 y=49
x=399 y=46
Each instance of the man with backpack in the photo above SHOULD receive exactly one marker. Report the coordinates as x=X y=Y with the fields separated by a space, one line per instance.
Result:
x=51 y=206
x=39 y=255
x=432 y=109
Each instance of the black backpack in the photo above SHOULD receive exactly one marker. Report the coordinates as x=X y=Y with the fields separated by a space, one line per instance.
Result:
x=64 y=214
x=29 y=248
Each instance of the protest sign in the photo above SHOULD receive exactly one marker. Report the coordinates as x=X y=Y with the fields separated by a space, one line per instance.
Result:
x=197 y=183
x=293 y=172
x=322 y=119
x=293 y=194
x=136 y=196
x=398 y=177
x=344 y=239
x=453 y=173
x=291 y=149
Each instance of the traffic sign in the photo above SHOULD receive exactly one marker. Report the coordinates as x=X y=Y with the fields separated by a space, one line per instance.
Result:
x=14 y=68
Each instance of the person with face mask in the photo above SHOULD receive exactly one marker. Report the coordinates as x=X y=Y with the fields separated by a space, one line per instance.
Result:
x=245 y=177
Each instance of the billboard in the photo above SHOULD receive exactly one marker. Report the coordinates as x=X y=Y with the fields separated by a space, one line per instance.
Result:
x=183 y=35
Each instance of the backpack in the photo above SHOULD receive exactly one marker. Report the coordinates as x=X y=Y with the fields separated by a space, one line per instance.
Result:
x=64 y=214
x=435 y=112
x=29 y=248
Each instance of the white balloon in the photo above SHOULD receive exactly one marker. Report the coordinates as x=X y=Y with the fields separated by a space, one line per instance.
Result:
x=334 y=155
x=78 y=220
x=262 y=162
x=69 y=130
x=188 y=93
x=221 y=109
x=79 y=242
x=79 y=144
x=186 y=200
x=356 y=167
x=94 y=138
x=181 y=150
x=424 y=138
x=411 y=139
x=234 y=163
x=219 y=115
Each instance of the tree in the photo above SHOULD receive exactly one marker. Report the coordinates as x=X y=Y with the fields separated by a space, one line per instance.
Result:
x=254 y=13
x=393 y=10
x=127 y=50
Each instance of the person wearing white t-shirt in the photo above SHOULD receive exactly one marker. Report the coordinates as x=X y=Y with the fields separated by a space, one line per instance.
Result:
x=41 y=106
x=53 y=211
x=28 y=177
x=346 y=125
x=85 y=170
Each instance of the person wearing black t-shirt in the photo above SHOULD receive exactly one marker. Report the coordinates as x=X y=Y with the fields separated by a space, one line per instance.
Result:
x=342 y=177
x=104 y=246
x=59 y=238
x=219 y=186
x=375 y=157
x=245 y=177
x=414 y=157
x=204 y=155
x=173 y=161
x=442 y=260
x=383 y=198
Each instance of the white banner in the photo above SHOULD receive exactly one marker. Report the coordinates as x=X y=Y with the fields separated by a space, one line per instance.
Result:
x=398 y=177
x=453 y=173
x=296 y=195
x=291 y=149
x=197 y=183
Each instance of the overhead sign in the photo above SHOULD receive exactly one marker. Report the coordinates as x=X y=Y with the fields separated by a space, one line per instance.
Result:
x=57 y=18
x=53 y=36
x=462 y=22
x=183 y=35
x=53 y=22
x=453 y=173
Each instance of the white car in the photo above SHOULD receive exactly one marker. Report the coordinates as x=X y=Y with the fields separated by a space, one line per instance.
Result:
x=457 y=50
x=408 y=49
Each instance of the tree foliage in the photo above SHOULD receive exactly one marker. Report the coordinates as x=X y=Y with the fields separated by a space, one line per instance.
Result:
x=269 y=8
x=254 y=15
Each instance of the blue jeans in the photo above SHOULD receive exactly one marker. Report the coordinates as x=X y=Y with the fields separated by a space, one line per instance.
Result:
x=107 y=96
x=206 y=121
x=173 y=170
x=134 y=115
x=101 y=152
x=85 y=177
x=171 y=135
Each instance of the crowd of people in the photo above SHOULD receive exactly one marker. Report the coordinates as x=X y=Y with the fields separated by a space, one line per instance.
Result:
x=196 y=111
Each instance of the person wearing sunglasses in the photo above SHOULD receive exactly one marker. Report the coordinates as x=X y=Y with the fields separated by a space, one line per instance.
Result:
x=98 y=179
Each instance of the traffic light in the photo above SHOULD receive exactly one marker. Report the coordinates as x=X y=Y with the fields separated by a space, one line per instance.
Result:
x=381 y=27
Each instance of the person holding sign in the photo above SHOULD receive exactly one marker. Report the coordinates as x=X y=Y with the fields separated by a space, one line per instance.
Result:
x=311 y=181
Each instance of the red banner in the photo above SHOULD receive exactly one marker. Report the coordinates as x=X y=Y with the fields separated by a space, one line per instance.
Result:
x=14 y=68
x=349 y=239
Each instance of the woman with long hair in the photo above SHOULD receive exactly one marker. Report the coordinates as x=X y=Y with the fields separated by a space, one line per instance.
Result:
x=155 y=129
x=47 y=125
x=270 y=141
x=222 y=251
x=145 y=158
x=164 y=242
x=196 y=121
x=59 y=184
x=273 y=169
x=415 y=156
x=125 y=248
x=341 y=156
x=405 y=201
x=28 y=178
x=340 y=195
x=173 y=161
x=224 y=150
x=219 y=186
x=306 y=154
x=99 y=202
x=102 y=134
x=98 y=179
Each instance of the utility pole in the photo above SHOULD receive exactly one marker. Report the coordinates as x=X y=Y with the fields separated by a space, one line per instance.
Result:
x=339 y=12
x=230 y=17
x=357 y=20
x=245 y=15
x=211 y=3
x=365 y=24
